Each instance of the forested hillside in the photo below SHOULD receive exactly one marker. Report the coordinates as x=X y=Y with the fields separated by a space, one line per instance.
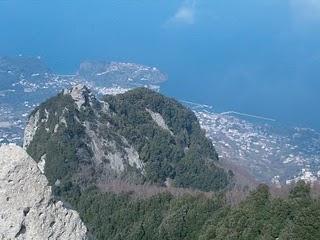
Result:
x=165 y=217
x=140 y=136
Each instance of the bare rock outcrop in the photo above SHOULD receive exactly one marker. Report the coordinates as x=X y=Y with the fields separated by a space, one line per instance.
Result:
x=30 y=129
x=159 y=120
x=27 y=209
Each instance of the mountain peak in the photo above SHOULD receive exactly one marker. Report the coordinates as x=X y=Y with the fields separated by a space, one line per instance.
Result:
x=81 y=95
x=140 y=136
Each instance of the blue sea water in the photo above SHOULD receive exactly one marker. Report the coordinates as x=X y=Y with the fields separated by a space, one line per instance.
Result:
x=257 y=57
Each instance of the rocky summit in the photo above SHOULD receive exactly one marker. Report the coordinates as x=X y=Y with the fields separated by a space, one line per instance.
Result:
x=28 y=210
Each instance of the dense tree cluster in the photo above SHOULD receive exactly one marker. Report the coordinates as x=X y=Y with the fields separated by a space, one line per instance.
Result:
x=260 y=216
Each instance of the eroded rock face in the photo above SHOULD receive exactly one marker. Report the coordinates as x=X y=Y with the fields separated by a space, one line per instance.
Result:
x=30 y=129
x=81 y=94
x=27 y=210
x=159 y=120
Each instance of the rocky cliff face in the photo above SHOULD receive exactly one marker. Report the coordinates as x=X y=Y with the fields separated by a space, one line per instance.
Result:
x=28 y=210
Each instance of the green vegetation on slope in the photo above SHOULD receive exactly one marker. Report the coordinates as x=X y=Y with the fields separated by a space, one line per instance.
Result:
x=185 y=154
x=59 y=148
x=181 y=154
x=164 y=217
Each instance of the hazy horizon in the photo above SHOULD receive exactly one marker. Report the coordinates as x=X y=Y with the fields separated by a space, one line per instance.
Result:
x=257 y=57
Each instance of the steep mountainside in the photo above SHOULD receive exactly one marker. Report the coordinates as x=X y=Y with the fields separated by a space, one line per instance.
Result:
x=28 y=210
x=140 y=136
